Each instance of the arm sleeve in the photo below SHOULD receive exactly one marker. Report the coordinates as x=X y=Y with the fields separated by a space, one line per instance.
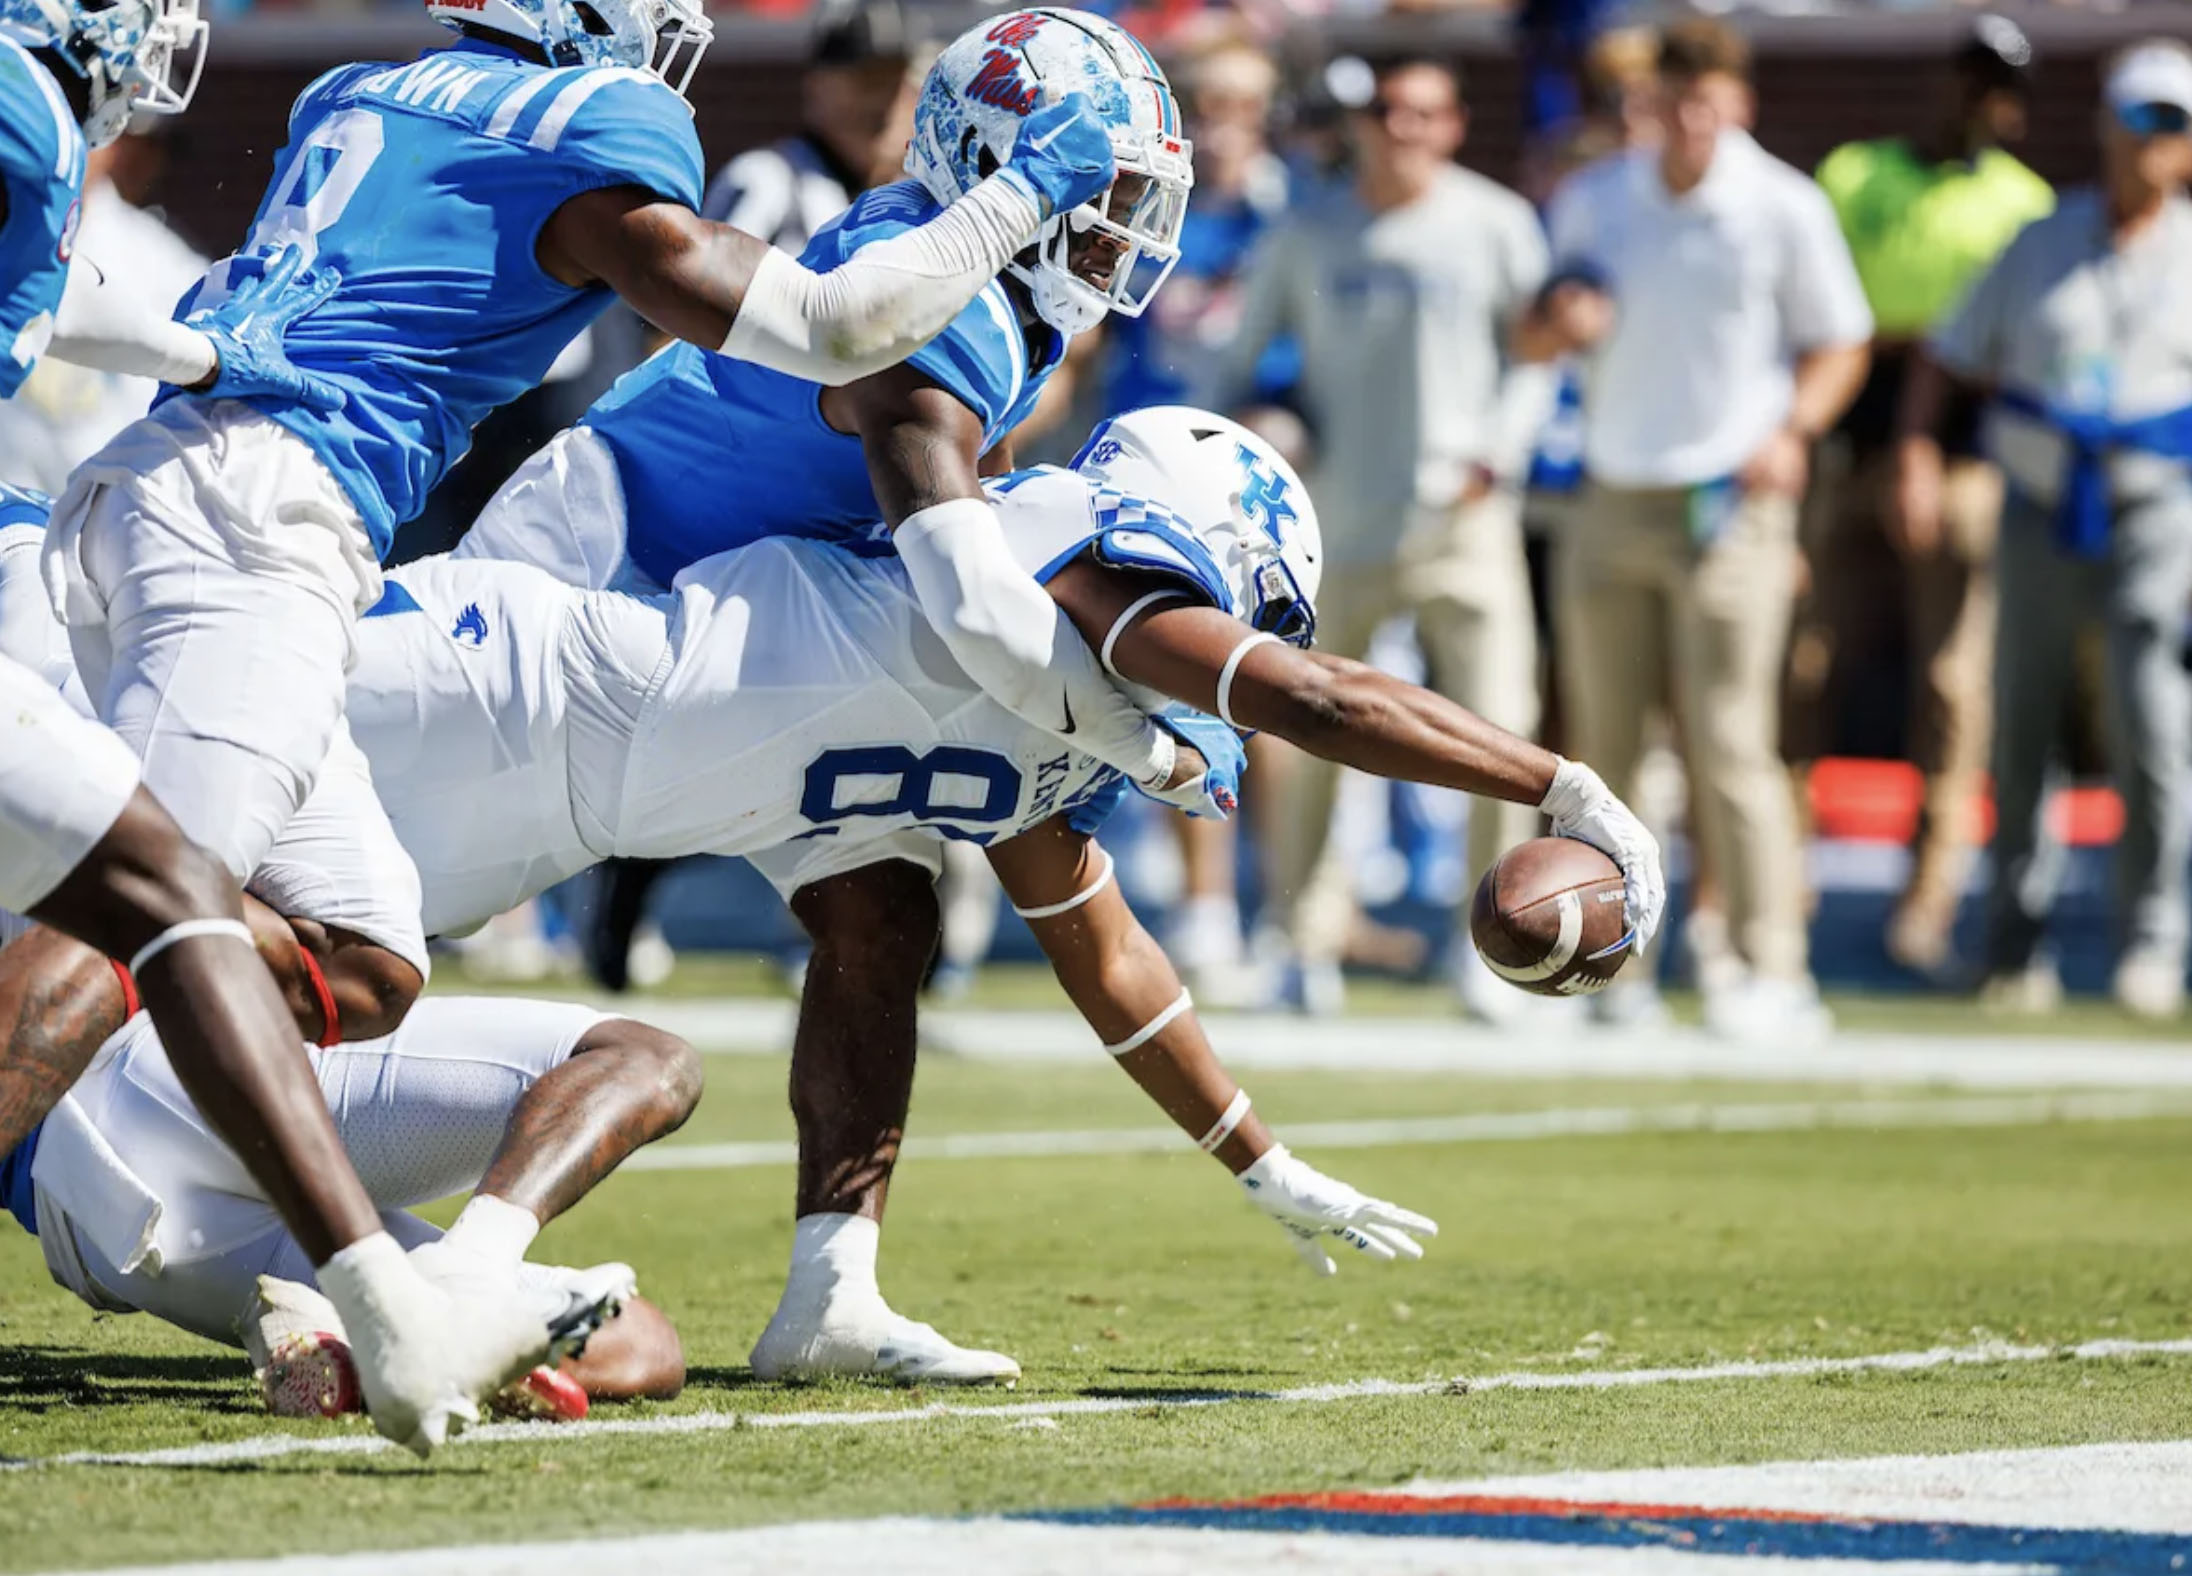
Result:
x=887 y=299
x=103 y=325
x=1822 y=302
x=1571 y=234
x=1018 y=644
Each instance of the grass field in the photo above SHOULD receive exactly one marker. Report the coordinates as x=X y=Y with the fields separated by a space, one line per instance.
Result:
x=1145 y=1279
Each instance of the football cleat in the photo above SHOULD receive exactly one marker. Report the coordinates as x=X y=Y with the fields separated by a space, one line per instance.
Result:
x=546 y=1395
x=871 y=1342
x=299 y=1353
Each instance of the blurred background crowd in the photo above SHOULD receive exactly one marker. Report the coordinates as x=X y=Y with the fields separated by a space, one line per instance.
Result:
x=1791 y=415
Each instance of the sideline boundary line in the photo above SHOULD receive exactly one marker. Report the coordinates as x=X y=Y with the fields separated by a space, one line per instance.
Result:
x=266 y=1447
x=1485 y=1128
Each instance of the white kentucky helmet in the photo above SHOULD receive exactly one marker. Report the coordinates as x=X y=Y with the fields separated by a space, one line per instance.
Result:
x=1245 y=504
x=989 y=80
x=664 y=37
x=135 y=56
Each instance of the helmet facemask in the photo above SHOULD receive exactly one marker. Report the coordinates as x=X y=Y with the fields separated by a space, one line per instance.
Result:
x=1134 y=227
x=664 y=38
x=136 y=57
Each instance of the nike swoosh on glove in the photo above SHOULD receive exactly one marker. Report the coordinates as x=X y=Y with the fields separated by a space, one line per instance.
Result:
x=1313 y=1208
x=1063 y=155
x=1581 y=806
x=1215 y=794
x=265 y=297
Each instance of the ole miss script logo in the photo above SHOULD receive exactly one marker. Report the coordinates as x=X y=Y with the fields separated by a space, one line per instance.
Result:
x=999 y=82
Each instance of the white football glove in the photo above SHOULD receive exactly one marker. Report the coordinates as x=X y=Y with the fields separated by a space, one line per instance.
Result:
x=1312 y=1206
x=1583 y=807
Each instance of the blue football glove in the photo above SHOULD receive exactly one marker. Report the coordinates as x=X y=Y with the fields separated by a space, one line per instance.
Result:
x=1063 y=155
x=1215 y=794
x=265 y=296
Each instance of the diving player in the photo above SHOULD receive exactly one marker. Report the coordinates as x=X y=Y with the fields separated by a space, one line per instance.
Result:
x=789 y=694
x=140 y=1207
x=87 y=849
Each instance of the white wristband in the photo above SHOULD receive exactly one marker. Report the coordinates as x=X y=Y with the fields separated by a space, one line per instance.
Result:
x=1119 y=625
x=1156 y=1026
x=1222 y=1129
x=1232 y=666
x=1053 y=910
x=188 y=930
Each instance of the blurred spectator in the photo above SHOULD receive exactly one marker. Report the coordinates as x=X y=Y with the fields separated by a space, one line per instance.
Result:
x=2083 y=332
x=63 y=413
x=1728 y=332
x=1923 y=217
x=1401 y=289
x=849 y=101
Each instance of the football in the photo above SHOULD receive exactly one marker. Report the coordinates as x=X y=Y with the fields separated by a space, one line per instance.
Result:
x=1548 y=918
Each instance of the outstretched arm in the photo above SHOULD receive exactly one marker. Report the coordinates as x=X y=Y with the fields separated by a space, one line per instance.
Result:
x=1059 y=880
x=722 y=289
x=1351 y=713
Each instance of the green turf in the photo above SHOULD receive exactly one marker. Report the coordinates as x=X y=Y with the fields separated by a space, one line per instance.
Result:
x=1134 y=1275
x=1012 y=986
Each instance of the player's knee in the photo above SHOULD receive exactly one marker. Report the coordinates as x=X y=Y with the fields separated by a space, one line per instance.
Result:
x=661 y=1072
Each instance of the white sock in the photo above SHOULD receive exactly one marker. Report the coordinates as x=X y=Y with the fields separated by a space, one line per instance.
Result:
x=833 y=1256
x=494 y=1228
x=369 y=1279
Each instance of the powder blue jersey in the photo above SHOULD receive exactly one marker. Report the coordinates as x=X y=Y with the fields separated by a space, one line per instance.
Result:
x=715 y=453
x=42 y=164
x=426 y=186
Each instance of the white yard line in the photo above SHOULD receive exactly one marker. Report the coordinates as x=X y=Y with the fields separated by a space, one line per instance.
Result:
x=1450 y=1045
x=267 y=1446
x=1495 y=1127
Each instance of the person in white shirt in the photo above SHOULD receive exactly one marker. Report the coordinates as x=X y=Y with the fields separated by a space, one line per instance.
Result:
x=1402 y=289
x=1726 y=331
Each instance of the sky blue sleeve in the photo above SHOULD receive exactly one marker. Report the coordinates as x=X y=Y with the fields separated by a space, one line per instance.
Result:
x=636 y=132
x=21 y=506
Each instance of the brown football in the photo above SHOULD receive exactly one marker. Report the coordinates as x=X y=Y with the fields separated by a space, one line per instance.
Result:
x=1548 y=918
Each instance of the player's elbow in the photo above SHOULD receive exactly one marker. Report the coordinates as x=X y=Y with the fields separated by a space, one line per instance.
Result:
x=372 y=988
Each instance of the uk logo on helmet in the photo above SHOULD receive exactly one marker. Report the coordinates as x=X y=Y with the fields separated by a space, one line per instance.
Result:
x=1263 y=499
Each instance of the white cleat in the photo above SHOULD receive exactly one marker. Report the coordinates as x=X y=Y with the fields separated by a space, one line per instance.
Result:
x=871 y=1342
x=429 y=1354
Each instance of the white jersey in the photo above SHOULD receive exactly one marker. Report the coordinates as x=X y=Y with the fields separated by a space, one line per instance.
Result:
x=787 y=696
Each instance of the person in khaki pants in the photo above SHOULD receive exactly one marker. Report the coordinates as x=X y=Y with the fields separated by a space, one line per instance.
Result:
x=1725 y=331
x=1401 y=291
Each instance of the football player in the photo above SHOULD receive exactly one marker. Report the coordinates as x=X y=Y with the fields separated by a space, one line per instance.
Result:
x=85 y=847
x=139 y=1206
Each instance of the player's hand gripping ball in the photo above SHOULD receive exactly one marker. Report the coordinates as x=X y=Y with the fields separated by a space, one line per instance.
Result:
x=1547 y=917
